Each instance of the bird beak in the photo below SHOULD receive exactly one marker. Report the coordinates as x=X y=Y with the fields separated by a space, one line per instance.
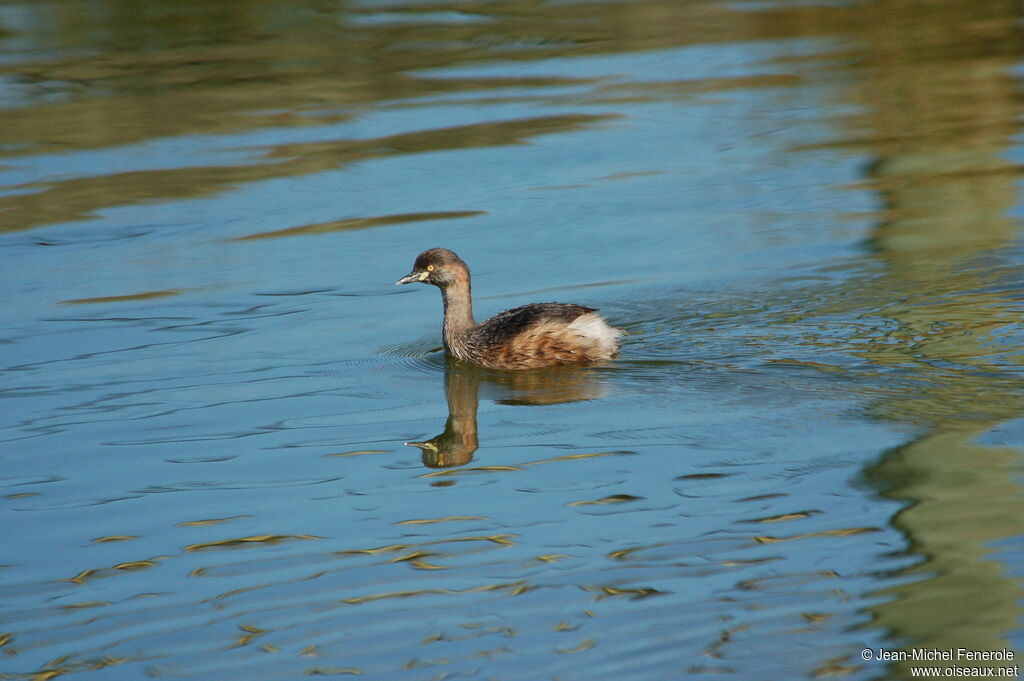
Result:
x=412 y=277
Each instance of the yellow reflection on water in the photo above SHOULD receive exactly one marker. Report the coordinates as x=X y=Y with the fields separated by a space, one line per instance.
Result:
x=147 y=295
x=938 y=106
x=129 y=566
x=349 y=224
x=210 y=521
x=82 y=197
x=447 y=519
x=236 y=542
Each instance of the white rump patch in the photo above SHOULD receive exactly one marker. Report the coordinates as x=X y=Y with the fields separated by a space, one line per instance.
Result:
x=592 y=325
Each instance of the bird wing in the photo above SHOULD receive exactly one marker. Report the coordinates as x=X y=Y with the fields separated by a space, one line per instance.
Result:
x=504 y=326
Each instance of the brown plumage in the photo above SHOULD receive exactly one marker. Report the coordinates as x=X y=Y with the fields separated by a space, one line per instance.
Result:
x=527 y=337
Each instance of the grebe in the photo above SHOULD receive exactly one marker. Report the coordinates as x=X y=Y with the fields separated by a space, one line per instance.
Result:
x=527 y=337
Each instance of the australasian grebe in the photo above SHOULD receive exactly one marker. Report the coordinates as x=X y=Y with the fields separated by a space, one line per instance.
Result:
x=527 y=337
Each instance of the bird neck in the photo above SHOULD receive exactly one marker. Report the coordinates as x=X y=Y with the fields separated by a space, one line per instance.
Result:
x=461 y=388
x=458 y=309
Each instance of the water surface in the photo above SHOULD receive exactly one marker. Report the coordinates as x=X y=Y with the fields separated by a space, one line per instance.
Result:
x=806 y=216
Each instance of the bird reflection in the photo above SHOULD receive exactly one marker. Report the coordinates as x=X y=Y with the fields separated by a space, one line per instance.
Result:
x=456 y=445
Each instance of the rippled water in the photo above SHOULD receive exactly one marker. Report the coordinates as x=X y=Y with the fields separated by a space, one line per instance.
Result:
x=806 y=215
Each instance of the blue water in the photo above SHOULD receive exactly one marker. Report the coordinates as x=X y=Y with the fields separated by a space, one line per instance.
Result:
x=808 y=445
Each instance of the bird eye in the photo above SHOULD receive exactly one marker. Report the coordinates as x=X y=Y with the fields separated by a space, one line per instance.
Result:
x=430 y=268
